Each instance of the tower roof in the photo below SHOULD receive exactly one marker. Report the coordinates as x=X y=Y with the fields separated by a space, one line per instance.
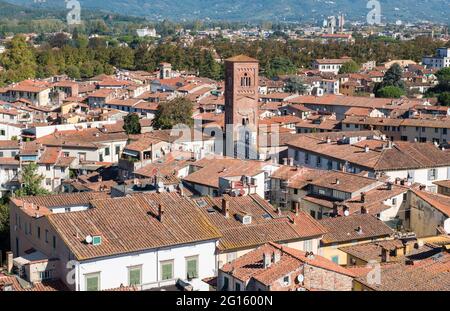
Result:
x=242 y=58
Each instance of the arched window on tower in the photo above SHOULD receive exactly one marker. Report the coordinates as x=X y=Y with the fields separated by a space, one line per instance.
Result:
x=246 y=81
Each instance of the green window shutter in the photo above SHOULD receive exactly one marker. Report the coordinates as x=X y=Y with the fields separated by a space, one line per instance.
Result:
x=135 y=276
x=92 y=283
x=192 y=268
x=167 y=271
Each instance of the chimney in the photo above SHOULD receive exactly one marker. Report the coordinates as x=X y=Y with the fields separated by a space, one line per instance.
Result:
x=225 y=208
x=285 y=161
x=290 y=161
x=9 y=262
x=296 y=208
x=385 y=256
x=366 y=148
x=276 y=256
x=279 y=211
x=337 y=181
x=363 y=210
x=359 y=230
x=389 y=186
x=160 y=212
x=328 y=139
x=266 y=260
x=363 y=197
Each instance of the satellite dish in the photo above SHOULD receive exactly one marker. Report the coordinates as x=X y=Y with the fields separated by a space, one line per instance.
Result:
x=346 y=213
x=447 y=225
x=300 y=278
x=88 y=239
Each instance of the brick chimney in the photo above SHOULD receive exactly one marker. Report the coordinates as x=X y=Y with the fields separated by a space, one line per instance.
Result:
x=290 y=161
x=363 y=197
x=266 y=261
x=160 y=212
x=296 y=208
x=276 y=256
x=9 y=262
x=385 y=255
x=225 y=208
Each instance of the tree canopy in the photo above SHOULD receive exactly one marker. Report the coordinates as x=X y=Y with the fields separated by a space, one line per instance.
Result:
x=176 y=111
x=391 y=92
x=349 y=67
x=131 y=125
x=295 y=85
x=392 y=79
x=31 y=181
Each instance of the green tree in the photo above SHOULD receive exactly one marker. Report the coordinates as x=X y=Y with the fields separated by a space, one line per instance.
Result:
x=349 y=67
x=444 y=99
x=390 y=92
x=73 y=72
x=280 y=66
x=18 y=60
x=443 y=77
x=122 y=57
x=4 y=227
x=31 y=181
x=295 y=85
x=131 y=125
x=393 y=77
x=177 y=111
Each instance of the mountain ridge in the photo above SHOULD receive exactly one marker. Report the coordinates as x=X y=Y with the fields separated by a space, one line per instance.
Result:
x=259 y=10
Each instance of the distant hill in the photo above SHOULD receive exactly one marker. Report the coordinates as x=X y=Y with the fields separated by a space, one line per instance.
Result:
x=256 y=10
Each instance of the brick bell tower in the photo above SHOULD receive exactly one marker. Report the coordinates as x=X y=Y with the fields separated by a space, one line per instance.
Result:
x=241 y=107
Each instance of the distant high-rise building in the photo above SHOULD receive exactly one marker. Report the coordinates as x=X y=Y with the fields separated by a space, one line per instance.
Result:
x=341 y=22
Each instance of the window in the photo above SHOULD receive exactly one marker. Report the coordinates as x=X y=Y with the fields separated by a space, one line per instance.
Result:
x=117 y=150
x=313 y=214
x=318 y=161
x=432 y=174
x=237 y=287
x=286 y=280
x=107 y=151
x=135 y=275
x=225 y=283
x=231 y=256
x=92 y=281
x=307 y=246
x=192 y=267
x=167 y=270
x=100 y=157
x=296 y=155
x=66 y=154
x=48 y=181
x=54 y=242
x=46 y=236
x=394 y=201
x=444 y=131
x=45 y=275
x=47 y=167
x=306 y=157
x=1 y=154
x=2 y=132
x=39 y=232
